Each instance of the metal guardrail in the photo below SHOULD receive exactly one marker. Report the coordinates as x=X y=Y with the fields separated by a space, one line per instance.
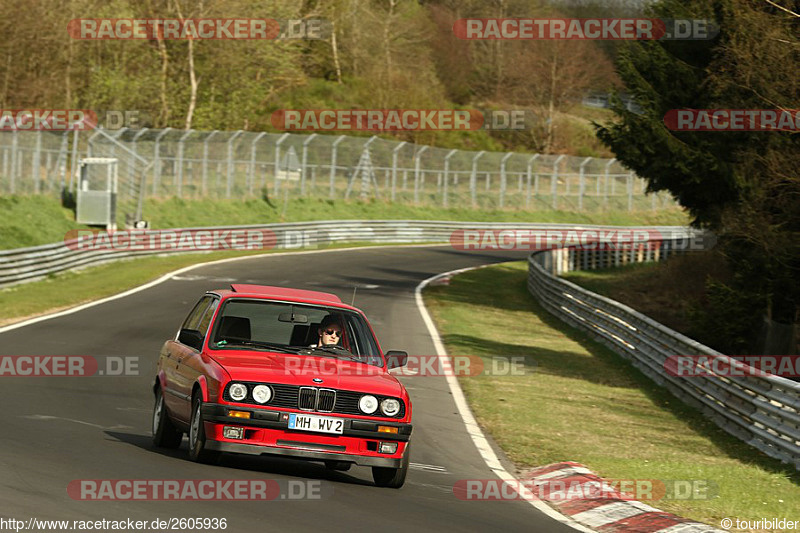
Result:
x=28 y=264
x=762 y=411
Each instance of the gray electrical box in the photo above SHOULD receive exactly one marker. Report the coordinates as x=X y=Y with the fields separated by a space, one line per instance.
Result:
x=289 y=168
x=97 y=192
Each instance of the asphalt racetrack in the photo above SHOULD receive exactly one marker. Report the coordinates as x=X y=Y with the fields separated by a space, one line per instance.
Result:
x=60 y=429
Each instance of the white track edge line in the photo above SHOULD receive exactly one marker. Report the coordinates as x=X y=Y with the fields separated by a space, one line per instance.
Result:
x=473 y=429
x=169 y=275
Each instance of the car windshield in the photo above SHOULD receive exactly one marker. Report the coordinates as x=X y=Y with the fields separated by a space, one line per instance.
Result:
x=286 y=327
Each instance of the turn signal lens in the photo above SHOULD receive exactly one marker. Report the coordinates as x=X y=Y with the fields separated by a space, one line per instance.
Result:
x=239 y=414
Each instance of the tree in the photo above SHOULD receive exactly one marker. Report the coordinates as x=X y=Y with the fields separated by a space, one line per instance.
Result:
x=541 y=75
x=742 y=185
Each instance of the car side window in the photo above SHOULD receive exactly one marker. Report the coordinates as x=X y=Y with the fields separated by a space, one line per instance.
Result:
x=205 y=321
x=192 y=321
x=364 y=342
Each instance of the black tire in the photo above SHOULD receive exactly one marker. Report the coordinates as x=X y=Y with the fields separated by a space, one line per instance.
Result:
x=339 y=466
x=165 y=434
x=197 y=435
x=392 y=478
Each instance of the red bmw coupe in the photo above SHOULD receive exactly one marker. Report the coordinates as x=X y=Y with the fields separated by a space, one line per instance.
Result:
x=270 y=370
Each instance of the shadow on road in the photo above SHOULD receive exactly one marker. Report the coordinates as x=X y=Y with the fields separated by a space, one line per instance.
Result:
x=264 y=464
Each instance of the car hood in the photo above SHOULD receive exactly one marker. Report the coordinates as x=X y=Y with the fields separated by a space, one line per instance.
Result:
x=301 y=370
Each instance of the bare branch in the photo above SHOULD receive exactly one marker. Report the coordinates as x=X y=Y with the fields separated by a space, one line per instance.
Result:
x=792 y=13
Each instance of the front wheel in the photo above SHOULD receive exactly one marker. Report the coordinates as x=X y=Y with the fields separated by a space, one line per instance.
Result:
x=392 y=478
x=165 y=434
x=197 y=435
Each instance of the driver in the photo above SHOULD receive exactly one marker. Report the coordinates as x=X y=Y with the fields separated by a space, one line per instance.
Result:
x=329 y=331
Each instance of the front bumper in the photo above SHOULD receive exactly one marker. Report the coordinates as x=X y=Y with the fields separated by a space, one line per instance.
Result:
x=267 y=432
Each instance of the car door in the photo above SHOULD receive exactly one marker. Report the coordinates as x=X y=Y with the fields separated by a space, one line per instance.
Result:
x=189 y=363
x=175 y=351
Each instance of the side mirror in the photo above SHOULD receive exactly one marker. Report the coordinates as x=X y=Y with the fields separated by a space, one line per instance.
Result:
x=396 y=359
x=191 y=338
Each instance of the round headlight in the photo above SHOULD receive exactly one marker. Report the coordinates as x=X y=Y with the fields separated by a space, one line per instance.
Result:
x=390 y=407
x=368 y=404
x=262 y=393
x=238 y=391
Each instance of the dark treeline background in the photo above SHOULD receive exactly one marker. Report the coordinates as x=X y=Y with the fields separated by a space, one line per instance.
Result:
x=382 y=54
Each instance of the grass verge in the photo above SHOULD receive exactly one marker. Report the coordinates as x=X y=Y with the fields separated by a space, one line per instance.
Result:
x=585 y=403
x=32 y=220
x=670 y=292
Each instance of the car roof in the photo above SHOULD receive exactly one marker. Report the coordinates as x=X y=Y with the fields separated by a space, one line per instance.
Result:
x=282 y=293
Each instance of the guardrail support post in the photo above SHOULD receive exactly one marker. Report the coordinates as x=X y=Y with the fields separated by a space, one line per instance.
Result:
x=528 y=188
x=630 y=191
x=204 y=185
x=278 y=160
x=446 y=176
x=229 y=183
x=251 y=170
x=179 y=172
x=394 y=167
x=503 y=178
x=131 y=166
x=157 y=160
x=334 y=149
x=605 y=188
x=12 y=184
x=417 y=158
x=554 y=181
x=73 y=162
x=37 y=163
x=473 y=179
x=304 y=163
x=582 y=184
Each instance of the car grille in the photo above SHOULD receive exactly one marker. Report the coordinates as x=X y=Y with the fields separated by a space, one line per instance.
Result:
x=305 y=398
x=308 y=398
x=327 y=400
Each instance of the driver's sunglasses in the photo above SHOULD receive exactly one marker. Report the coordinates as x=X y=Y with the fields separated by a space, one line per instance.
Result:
x=333 y=332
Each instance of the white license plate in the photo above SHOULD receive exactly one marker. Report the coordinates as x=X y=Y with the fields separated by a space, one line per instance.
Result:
x=322 y=424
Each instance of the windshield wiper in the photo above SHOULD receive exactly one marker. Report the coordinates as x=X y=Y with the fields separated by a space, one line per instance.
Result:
x=335 y=351
x=255 y=344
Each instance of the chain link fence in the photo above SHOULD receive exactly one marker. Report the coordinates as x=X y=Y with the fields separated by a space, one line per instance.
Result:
x=161 y=163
